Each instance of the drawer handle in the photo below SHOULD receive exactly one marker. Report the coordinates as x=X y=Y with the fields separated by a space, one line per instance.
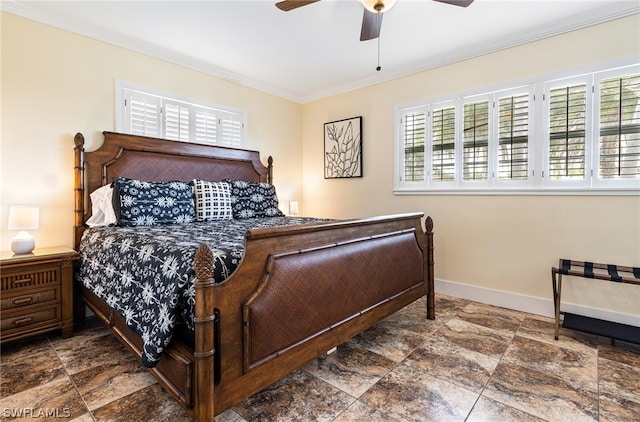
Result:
x=22 y=321
x=22 y=281
x=23 y=301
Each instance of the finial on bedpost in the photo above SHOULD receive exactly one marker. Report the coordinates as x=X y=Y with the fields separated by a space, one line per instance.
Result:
x=270 y=170
x=79 y=140
x=203 y=263
x=428 y=224
x=78 y=191
x=204 y=321
x=431 y=300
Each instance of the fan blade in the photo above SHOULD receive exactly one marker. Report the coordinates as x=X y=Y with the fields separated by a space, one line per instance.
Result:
x=371 y=24
x=462 y=3
x=287 y=5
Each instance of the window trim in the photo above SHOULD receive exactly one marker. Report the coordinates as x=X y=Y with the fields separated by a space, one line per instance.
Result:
x=536 y=184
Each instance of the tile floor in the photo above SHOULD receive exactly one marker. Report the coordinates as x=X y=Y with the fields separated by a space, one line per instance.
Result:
x=475 y=362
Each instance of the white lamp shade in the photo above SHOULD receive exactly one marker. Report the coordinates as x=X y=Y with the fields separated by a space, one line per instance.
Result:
x=378 y=6
x=22 y=217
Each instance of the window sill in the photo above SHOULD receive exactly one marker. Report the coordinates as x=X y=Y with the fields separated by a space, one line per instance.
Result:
x=520 y=192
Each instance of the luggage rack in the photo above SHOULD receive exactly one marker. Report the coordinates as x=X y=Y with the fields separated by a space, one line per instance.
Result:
x=609 y=272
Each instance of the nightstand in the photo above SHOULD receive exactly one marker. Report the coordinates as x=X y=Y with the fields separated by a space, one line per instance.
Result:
x=37 y=293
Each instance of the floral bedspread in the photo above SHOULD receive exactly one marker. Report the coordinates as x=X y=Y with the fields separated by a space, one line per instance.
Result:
x=146 y=274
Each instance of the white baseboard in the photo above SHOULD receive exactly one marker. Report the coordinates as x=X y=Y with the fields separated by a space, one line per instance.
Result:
x=530 y=304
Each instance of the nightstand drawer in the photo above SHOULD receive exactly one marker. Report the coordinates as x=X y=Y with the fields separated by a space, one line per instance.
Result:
x=30 y=319
x=32 y=298
x=33 y=277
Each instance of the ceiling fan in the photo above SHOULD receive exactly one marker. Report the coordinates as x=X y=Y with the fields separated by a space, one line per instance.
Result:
x=373 y=9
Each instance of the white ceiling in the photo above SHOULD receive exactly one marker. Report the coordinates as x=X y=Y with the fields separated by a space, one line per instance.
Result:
x=314 y=51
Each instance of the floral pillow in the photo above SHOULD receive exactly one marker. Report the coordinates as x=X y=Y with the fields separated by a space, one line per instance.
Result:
x=140 y=203
x=253 y=199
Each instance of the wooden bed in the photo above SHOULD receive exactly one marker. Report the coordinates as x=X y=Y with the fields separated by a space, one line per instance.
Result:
x=246 y=337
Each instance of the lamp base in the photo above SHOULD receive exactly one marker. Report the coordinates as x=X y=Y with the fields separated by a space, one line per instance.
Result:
x=23 y=243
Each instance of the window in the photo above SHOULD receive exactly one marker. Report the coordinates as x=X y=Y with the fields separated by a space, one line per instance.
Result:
x=142 y=112
x=567 y=127
x=414 y=133
x=579 y=133
x=513 y=137
x=443 y=144
x=618 y=128
x=476 y=141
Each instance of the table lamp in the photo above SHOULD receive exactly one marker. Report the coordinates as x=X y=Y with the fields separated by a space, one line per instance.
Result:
x=23 y=218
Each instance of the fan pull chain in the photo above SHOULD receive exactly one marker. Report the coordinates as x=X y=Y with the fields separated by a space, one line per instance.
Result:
x=378 y=67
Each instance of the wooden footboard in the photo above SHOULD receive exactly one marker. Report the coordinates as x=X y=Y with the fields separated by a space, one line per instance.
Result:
x=298 y=292
x=305 y=293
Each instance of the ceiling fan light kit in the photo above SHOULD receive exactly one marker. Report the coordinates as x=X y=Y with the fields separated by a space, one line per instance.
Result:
x=378 y=6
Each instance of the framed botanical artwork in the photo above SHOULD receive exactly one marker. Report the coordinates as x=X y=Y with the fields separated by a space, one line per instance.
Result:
x=343 y=148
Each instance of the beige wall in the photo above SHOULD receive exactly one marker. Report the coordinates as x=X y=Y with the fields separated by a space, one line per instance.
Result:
x=55 y=84
x=492 y=244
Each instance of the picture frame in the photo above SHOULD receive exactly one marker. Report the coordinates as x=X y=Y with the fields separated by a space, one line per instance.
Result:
x=343 y=148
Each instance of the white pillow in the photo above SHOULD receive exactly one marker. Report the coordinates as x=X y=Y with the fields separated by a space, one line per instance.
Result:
x=102 y=213
x=212 y=200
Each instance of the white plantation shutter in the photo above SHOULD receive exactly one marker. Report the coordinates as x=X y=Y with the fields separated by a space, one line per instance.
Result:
x=476 y=141
x=143 y=113
x=176 y=121
x=206 y=126
x=157 y=115
x=231 y=130
x=567 y=132
x=443 y=135
x=413 y=134
x=619 y=128
x=576 y=134
x=219 y=127
x=513 y=137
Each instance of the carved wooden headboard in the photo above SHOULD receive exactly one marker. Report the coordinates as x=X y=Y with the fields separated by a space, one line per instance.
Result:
x=155 y=159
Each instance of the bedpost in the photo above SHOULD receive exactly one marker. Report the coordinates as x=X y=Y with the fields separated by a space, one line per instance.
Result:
x=270 y=170
x=204 y=348
x=78 y=192
x=431 y=300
